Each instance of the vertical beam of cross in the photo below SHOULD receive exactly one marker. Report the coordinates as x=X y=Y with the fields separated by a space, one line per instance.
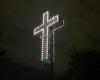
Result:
x=44 y=30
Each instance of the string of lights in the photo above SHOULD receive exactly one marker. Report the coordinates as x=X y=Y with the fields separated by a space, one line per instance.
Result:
x=44 y=28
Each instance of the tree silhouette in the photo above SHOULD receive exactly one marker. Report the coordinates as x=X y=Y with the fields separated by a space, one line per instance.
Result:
x=85 y=65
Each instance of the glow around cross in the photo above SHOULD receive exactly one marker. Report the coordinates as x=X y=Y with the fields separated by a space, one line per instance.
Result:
x=44 y=30
x=46 y=20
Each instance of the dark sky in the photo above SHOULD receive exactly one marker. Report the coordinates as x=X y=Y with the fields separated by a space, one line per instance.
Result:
x=19 y=17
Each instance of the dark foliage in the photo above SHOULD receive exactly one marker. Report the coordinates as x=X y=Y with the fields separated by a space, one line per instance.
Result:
x=14 y=71
x=85 y=65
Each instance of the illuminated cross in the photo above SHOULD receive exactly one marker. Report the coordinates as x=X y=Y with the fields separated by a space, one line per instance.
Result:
x=44 y=30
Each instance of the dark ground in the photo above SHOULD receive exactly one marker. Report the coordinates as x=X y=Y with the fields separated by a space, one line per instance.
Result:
x=84 y=65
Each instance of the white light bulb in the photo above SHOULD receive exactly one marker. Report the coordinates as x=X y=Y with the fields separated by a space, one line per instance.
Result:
x=45 y=37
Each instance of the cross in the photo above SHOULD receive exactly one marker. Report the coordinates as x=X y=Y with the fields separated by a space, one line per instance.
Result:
x=44 y=30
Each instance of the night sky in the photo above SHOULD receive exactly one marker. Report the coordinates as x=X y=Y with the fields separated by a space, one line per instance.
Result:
x=18 y=18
